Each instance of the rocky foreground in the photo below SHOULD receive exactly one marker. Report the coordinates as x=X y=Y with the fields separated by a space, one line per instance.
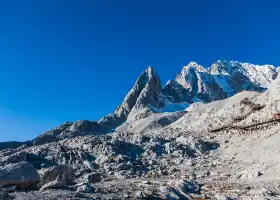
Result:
x=223 y=150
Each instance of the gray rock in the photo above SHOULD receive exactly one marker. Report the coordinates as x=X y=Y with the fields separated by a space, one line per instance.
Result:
x=146 y=182
x=187 y=186
x=123 y=166
x=53 y=185
x=166 y=192
x=141 y=194
x=93 y=177
x=101 y=160
x=86 y=188
x=176 y=93
x=120 y=175
x=21 y=175
x=58 y=172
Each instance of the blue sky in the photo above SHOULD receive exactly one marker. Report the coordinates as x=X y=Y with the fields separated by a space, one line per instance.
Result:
x=68 y=60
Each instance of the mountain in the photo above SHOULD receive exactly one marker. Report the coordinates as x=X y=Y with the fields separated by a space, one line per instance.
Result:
x=156 y=148
x=194 y=83
x=224 y=79
x=144 y=96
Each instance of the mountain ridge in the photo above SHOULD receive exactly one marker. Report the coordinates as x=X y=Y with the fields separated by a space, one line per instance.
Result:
x=194 y=83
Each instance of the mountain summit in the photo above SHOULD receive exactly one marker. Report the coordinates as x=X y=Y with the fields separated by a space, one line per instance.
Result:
x=138 y=103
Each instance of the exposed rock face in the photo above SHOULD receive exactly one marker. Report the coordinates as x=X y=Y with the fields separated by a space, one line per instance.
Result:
x=21 y=174
x=176 y=93
x=149 y=97
x=200 y=83
x=145 y=92
x=259 y=75
x=224 y=79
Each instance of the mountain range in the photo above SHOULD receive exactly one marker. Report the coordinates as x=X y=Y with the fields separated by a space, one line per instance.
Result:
x=212 y=133
x=194 y=83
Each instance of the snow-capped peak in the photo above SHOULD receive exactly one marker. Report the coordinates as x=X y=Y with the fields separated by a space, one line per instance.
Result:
x=225 y=78
x=150 y=71
x=261 y=75
x=193 y=65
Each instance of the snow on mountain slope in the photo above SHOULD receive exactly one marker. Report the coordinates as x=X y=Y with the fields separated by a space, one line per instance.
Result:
x=273 y=92
x=224 y=79
x=261 y=75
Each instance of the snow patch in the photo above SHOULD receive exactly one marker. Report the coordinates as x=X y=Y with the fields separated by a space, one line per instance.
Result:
x=171 y=107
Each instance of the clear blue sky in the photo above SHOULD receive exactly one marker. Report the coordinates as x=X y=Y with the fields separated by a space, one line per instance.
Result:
x=67 y=60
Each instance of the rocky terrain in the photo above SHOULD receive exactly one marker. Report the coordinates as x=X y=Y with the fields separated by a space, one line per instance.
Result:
x=209 y=134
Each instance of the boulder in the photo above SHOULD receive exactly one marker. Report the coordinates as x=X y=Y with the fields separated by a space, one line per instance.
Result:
x=187 y=186
x=101 y=160
x=141 y=194
x=58 y=172
x=85 y=188
x=93 y=177
x=21 y=175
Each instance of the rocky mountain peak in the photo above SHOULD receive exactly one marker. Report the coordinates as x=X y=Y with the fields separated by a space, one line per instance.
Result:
x=260 y=75
x=150 y=95
x=223 y=67
x=150 y=71
x=147 y=81
x=145 y=95
x=226 y=78
x=193 y=66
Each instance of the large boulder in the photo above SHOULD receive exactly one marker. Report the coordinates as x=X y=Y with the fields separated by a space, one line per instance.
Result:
x=59 y=173
x=21 y=174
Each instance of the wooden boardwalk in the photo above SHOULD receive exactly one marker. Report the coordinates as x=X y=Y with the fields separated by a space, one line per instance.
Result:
x=248 y=127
